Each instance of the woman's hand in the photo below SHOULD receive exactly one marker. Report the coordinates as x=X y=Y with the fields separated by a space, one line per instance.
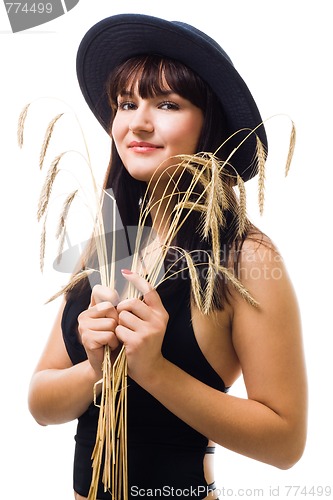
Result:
x=97 y=325
x=141 y=328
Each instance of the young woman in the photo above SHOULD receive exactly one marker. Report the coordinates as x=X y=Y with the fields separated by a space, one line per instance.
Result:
x=163 y=89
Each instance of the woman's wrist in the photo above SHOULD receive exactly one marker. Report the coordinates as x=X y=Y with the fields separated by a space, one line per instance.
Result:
x=151 y=380
x=92 y=376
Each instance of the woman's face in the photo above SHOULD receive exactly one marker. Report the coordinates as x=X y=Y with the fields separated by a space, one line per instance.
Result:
x=147 y=132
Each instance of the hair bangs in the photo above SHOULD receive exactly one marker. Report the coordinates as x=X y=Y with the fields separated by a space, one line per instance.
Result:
x=153 y=75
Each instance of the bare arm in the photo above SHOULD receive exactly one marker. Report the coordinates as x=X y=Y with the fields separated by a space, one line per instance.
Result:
x=270 y=425
x=60 y=392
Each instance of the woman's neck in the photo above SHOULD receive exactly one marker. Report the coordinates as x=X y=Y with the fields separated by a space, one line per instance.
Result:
x=161 y=207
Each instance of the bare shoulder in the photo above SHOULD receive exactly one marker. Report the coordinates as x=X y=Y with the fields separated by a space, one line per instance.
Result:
x=258 y=254
x=262 y=270
x=267 y=338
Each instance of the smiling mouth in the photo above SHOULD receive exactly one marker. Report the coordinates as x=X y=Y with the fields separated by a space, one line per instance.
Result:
x=143 y=146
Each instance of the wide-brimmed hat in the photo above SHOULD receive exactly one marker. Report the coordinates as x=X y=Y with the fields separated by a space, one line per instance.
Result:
x=117 y=38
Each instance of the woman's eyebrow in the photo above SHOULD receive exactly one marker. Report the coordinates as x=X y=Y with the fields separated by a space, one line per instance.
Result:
x=129 y=93
x=126 y=93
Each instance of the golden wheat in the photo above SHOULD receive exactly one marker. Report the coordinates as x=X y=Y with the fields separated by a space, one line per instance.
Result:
x=21 y=123
x=261 y=159
x=209 y=194
x=47 y=187
x=47 y=138
x=61 y=229
x=241 y=219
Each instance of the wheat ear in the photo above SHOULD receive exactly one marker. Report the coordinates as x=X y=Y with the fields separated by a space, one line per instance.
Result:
x=291 y=149
x=242 y=219
x=47 y=138
x=261 y=160
x=21 y=123
x=47 y=187
x=61 y=229
x=237 y=285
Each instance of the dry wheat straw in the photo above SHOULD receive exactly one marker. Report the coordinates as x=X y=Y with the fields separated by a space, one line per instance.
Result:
x=118 y=386
x=42 y=245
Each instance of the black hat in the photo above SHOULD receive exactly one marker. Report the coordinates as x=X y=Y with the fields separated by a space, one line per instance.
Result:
x=117 y=38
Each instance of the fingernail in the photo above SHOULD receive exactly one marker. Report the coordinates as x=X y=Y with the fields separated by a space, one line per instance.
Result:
x=126 y=271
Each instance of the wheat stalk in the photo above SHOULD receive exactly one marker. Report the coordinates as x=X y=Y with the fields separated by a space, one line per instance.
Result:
x=42 y=246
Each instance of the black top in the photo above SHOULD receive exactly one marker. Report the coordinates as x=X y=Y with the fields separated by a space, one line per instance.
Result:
x=163 y=451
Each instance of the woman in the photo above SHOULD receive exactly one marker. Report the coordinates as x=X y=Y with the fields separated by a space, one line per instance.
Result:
x=163 y=89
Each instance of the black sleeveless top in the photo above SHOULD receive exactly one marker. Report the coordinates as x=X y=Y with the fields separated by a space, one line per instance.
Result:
x=163 y=451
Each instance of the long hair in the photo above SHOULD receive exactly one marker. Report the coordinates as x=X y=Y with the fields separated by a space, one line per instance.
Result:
x=154 y=75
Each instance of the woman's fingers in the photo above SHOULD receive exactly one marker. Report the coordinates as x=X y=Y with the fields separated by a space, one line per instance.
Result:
x=102 y=310
x=103 y=304
x=134 y=306
x=141 y=328
x=101 y=293
x=97 y=324
x=151 y=297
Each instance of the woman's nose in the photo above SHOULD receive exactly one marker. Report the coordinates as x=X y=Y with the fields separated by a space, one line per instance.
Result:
x=141 y=121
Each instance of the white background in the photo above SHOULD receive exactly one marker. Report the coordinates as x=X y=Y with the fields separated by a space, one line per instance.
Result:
x=283 y=51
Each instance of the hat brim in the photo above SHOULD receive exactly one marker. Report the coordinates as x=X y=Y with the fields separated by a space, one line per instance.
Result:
x=117 y=38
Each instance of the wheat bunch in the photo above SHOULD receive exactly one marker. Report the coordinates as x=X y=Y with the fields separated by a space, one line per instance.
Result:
x=208 y=194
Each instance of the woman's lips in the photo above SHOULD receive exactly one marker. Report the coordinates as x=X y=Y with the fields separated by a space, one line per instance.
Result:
x=143 y=147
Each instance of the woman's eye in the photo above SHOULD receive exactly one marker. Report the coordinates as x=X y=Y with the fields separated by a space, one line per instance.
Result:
x=169 y=105
x=126 y=105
